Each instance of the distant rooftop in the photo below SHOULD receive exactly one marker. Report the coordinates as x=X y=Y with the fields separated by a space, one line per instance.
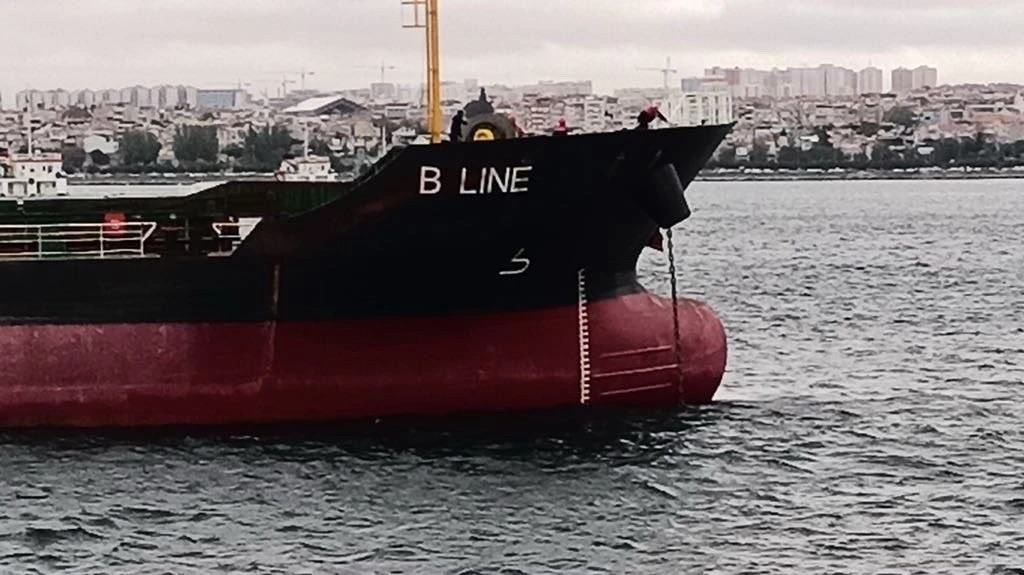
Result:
x=325 y=105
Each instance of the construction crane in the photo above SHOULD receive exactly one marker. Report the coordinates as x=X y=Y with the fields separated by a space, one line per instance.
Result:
x=284 y=85
x=302 y=77
x=384 y=66
x=239 y=85
x=286 y=75
x=668 y=69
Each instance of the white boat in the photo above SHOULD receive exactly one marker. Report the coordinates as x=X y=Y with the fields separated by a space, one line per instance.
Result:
x=32 y=175
x=306 y=169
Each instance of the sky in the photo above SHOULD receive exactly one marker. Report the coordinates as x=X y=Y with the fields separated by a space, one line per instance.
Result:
x=218 y=43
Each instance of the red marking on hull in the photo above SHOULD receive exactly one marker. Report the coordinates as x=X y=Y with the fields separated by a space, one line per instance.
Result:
x=127 y=375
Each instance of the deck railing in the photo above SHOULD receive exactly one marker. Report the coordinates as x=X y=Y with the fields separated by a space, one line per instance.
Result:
x=227 y=230
x=80 y=241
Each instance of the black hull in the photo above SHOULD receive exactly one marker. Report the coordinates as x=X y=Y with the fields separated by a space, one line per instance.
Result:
x=383 y=248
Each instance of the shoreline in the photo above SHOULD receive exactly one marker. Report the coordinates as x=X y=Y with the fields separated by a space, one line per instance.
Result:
x=857 y=175
x=704 y=176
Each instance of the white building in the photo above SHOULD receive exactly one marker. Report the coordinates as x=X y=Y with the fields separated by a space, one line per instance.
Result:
x=166 y=97
x=399 y=111
x=902 y=80
x=596 y=114
x=869 y=81
x=109 y=96
x=452 y=91
x=818 y=82
x=559 y=89
x=140 y=96
x=590 y=113
x=124 y=96
x=188 y=95
x=383 y=92
x=538 y=116
x=61 y=99
x=810 y=82
x=221 y=99
x=30 y=99
x=924 y=77
x=839 y=81
x=695 y=108
x=103 y=142
x=86 y=98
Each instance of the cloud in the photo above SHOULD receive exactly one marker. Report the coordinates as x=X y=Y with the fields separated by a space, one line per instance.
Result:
x=96 y=43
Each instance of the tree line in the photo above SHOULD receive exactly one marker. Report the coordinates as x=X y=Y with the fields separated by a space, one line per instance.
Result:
x=978 y=151
x=196 y=149
x=900 y=151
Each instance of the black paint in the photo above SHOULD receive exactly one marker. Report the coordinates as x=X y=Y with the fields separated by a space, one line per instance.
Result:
x=378 y=247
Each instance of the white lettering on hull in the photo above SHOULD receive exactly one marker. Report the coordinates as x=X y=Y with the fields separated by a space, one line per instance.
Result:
x=430 y=176
x=521 y=262
x=507 y=180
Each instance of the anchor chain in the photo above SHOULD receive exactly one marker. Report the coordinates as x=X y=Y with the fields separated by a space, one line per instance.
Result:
x=676 y=342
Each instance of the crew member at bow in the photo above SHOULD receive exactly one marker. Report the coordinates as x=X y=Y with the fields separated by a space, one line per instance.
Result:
x=648 y=115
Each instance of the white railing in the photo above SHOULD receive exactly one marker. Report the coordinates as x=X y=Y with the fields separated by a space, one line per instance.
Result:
x=229 y=234
x=232 y=233
x=58 y=241
x=227 y=230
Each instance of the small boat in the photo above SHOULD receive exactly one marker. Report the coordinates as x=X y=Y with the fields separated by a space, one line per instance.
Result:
x=308 y=168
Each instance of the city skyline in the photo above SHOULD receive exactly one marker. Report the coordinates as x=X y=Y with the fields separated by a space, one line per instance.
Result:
x=104 y=43
x=779 y=83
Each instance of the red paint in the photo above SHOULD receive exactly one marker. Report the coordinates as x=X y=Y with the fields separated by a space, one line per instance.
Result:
x=656 y=241
x=160 y=374
x=113 y=222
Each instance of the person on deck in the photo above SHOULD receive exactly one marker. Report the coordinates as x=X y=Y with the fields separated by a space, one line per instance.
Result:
x=647 y=116
x=455 y=132
x=520 y=132
x=561 y=129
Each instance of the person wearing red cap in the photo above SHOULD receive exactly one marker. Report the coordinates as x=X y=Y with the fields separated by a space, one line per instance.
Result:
x=647 y=116
x=561 y=129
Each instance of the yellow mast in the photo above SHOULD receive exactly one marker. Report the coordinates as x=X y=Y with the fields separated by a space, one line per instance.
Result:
x=429 y=23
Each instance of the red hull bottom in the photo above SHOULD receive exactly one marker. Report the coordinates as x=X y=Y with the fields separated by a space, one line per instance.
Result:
x=211 y=374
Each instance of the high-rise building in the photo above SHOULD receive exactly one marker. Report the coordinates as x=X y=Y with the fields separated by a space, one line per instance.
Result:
x=741 y=82
x=110 y=96
x=221 y=99
x=869 y=81
x=560 y=89
x=86 y=98
x=902 y=80
x=188 y=96
x=383 y=91
x=28 y=99
x=165 y=97
x=925 y=77
x=691 y=84
x=905 y=80
x=808 y=81
x=818 y=82
x=839 y=81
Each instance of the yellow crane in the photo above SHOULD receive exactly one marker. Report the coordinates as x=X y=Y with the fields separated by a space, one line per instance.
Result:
x=425 y=17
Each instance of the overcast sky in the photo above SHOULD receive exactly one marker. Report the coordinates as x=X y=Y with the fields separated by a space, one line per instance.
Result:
x=214 y=43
